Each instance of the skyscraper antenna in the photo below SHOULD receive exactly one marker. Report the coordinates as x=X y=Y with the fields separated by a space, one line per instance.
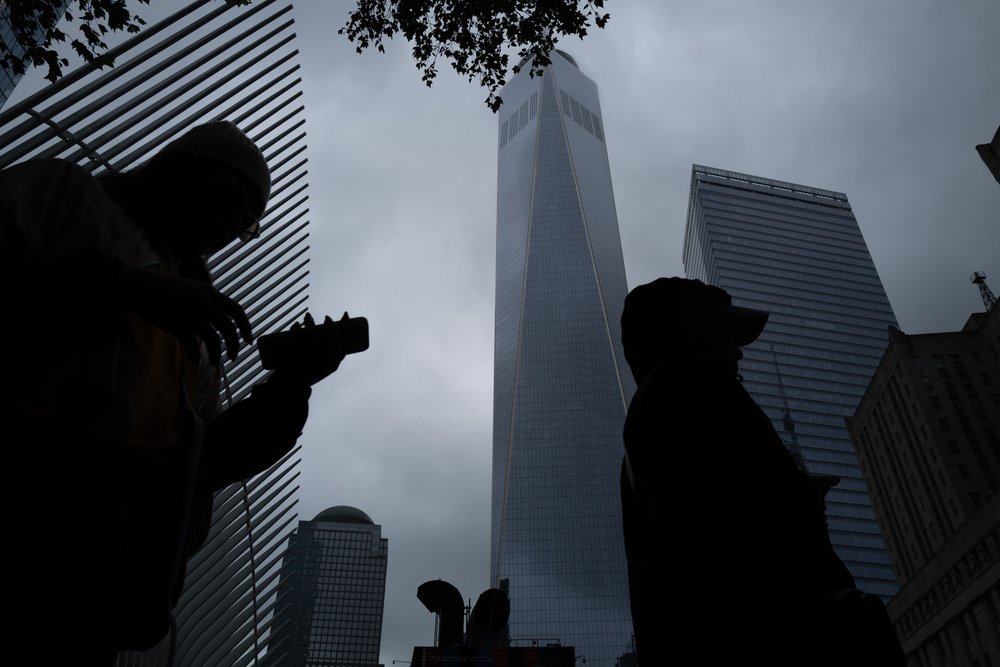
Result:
x=786 y=418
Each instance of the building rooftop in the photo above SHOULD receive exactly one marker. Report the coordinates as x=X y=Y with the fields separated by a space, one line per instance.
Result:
x=344 y=514
x=565 y=55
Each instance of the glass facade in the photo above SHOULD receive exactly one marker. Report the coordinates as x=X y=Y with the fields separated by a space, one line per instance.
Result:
x=331 y=593
x=560 y=382
x=798 y=253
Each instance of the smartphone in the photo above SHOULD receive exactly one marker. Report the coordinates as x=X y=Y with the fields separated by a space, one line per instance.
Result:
x=294 y=346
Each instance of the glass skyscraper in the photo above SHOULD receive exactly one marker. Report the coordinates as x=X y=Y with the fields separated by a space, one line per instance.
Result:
x=798 y=253
x=331 y=594
x=561 y=385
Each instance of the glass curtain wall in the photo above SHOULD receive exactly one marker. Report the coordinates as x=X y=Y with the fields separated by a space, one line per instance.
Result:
x=798 y=253
x=331 y=594
x=561 y=385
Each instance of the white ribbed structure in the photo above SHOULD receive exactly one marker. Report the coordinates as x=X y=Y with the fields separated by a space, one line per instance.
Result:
x=207 y=61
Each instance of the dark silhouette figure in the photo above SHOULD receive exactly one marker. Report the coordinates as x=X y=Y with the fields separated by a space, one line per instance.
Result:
x=110 y=385
x=729 y=558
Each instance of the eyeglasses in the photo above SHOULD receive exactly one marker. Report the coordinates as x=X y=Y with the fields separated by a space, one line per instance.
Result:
x=249 y=223
x=251 y=231
x=222 y=196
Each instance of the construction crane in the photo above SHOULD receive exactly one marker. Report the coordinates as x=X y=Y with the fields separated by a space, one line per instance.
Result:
x=978 y=278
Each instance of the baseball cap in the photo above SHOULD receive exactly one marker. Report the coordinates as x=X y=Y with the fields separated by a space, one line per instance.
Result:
x=683 y=300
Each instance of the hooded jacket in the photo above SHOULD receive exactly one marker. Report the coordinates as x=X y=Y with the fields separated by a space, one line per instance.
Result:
x=723 y=534
x=106 y=401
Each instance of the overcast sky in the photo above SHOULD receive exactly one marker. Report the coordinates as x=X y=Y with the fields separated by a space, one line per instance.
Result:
x=883 y=101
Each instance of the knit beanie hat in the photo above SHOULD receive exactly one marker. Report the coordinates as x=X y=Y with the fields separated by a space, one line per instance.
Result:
x=223 y=144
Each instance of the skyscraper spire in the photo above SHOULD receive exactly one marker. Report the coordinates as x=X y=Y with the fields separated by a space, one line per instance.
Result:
x=792 y=443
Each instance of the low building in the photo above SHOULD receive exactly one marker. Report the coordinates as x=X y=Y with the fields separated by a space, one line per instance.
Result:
x=331 y=593
x=926 y=435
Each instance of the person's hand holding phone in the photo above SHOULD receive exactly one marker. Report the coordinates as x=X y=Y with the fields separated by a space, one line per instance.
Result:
x=308 y=352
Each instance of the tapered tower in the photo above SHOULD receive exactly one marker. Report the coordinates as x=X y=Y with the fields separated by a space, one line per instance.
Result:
x=561 y=386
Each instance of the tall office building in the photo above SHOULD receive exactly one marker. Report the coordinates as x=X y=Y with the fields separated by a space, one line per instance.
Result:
x=927 y=433
x=797 y=252
x=560 y=382
x=331 y=593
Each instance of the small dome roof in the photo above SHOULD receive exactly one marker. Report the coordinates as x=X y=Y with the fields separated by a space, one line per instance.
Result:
x=344 y=514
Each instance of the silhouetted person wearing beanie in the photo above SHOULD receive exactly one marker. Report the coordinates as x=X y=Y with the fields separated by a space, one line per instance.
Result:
x=110 y=385
x=728 y=554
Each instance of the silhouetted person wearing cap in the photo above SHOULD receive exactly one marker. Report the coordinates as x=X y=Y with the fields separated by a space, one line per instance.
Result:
x=110 y=384
x=729 y=558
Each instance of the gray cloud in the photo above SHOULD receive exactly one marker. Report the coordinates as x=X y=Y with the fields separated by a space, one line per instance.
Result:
x=884 y=102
